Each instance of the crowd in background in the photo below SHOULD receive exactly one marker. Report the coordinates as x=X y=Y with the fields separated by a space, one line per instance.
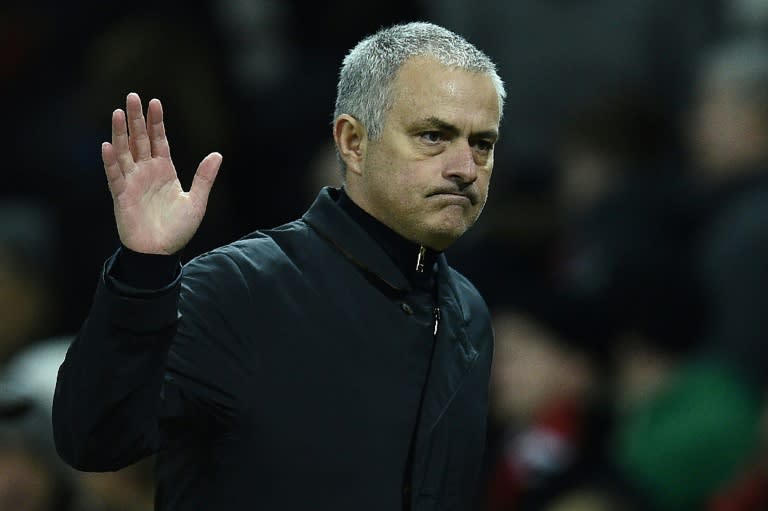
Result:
x=623 y=251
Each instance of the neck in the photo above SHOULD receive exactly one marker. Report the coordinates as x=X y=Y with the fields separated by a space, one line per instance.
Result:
x=415 y=261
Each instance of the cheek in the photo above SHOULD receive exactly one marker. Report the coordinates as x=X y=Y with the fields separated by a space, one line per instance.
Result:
x=483 y=185
x=410 y=179
x=392 y=188
x=484 y=180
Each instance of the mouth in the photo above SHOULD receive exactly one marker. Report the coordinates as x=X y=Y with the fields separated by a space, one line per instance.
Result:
x=454 y=196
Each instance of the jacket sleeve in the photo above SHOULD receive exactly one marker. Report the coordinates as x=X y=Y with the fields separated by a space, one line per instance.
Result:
x=117 y=397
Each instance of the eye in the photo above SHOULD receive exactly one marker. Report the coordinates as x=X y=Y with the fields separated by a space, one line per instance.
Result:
x=484 y=145
x=432 y=137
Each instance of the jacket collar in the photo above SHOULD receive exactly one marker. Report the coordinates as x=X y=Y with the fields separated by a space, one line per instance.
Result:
x=334 y=224
x=415 y=261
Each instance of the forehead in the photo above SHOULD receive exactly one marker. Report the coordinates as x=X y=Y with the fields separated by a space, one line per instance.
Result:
x=426 y=88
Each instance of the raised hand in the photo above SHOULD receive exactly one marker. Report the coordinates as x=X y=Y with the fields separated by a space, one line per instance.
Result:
x=154 y=214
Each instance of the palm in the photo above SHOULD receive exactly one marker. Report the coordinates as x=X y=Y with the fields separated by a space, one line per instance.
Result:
x=153 y=213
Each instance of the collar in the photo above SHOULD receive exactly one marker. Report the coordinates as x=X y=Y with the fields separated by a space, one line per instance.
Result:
x=415 y=261
x=369 y=243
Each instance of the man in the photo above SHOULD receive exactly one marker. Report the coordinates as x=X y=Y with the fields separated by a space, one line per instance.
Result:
x=336 y=362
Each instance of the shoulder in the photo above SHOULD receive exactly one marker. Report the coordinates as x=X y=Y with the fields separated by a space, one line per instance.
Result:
x=257 y=252
x=246 y=271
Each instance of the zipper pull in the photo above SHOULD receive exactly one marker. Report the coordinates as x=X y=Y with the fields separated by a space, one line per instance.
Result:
x=420 y=259
x=436 y=315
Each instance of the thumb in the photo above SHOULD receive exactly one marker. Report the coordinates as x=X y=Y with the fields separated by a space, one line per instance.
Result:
x=204 y=178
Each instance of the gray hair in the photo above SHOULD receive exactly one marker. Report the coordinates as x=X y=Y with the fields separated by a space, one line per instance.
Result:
x=364 y=90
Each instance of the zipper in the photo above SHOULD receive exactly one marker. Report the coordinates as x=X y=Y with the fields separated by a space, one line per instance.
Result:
x=436 y=315
x=420 y=259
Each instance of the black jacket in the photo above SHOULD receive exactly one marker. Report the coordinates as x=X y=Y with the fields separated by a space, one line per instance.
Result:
x=292 y=369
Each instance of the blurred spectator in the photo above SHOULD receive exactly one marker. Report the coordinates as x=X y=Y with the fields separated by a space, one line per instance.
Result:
x=731 y=145
x=685 y=444
x=26 y=394
x=28 y=300
x=533 y=367
x=729 y=134
x=545 y=412
x=32 y=478
x=625 y=253
x=622 y=296
x=582 y=360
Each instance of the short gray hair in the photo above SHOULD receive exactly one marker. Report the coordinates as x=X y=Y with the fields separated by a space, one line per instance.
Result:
x=364 y=90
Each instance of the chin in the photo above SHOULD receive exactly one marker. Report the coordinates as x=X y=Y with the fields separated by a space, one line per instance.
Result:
x=443 y=229
x=440 y=239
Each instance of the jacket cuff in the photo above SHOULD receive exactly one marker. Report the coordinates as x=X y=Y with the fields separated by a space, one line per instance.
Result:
x=139 y=310
x=143 y=272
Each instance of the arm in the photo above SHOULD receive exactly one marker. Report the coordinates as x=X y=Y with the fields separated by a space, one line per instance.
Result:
x=111 y=393
x=108 y=391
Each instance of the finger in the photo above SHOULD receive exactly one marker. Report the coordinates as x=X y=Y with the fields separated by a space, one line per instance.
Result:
x=204 y=178
x=137 y=128
x=120 y=141
x=156 y=129
x=115 y=177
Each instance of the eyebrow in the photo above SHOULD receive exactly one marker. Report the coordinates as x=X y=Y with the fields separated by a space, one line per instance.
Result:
x=438 y=124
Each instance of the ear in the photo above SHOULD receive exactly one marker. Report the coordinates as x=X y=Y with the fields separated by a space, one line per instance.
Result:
x=351 y=137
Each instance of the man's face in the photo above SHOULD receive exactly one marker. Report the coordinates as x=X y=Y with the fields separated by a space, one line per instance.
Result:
x=728 y=131
x=427 y=175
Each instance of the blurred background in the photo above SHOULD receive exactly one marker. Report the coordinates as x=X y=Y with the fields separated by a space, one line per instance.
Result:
x=623 y=251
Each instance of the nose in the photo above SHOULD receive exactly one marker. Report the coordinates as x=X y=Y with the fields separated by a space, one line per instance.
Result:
x=461 y=166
